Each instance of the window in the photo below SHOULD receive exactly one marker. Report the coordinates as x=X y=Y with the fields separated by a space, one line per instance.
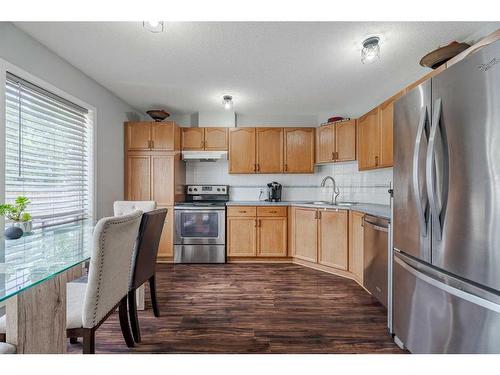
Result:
x=48 y=153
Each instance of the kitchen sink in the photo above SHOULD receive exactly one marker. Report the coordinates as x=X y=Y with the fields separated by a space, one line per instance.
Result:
x=319 y=203
x=347 y=204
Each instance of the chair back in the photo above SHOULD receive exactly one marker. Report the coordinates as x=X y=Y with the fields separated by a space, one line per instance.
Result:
x=125 y=207
x=110 y=265
x=144 y=258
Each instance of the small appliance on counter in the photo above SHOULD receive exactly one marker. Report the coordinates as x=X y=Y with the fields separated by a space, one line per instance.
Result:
x=274 y=192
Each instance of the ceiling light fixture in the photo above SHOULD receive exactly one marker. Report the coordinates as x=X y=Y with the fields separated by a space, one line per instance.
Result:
x=227 y=100
x=153 y=26
x=371 y=50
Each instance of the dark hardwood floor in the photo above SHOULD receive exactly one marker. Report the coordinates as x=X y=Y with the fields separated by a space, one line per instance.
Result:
x=253 y=308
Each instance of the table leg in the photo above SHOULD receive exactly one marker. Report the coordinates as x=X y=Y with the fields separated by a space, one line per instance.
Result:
x=36 y=317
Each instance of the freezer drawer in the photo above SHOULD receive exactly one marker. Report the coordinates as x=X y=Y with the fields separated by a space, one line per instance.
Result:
x=375 y=257
x=437 y=313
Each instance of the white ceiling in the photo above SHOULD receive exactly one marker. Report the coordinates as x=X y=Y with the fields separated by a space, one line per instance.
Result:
x=269 y=67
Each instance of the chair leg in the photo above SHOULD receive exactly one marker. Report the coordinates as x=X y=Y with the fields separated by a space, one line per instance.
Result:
x=132 y=313
x=88 y=341
x=122 y=313
x=154 y=301
x=73 y=340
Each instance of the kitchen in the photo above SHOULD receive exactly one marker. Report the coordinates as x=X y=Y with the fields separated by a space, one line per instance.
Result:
x=356 y=224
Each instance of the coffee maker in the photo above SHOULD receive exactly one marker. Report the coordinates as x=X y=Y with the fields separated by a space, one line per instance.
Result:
x=273 y=192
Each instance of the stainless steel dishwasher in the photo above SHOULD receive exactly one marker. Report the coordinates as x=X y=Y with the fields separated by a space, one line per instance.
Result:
x=375 y=257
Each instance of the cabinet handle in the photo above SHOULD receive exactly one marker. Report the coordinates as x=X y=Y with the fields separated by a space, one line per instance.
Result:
x=256 y=223
x=376 y=161
x=286 y=167
x=273 y=212
x=242 y=212
x=259 y=223
x=319 y=215
x=255 y=167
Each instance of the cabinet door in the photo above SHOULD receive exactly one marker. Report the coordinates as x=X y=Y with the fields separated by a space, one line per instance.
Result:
x=216 y=139
x=332 y=238
x=271 y=236
x=269 y=150
x=299 y=150
x=166 y=246
x=242 y=150
x=356 y=245
x=241 y=236
x=306 y=234
x=162 y=136
x=138 y=180
x=193 y=138
x=325 y=143
x=138 y=136
x=162 y=179
x=369 y=140
x=386 y=131
x=345 y=141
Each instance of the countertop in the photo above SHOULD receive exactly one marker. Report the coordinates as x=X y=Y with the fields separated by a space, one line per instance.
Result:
x=380 y=210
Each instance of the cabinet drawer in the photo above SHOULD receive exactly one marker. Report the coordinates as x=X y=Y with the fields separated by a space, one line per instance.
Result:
x=272 y=211
x=242 y=211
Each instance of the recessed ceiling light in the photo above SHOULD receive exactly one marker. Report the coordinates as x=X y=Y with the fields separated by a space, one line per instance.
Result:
x=153 y=26
x=371 y=50
x=227 y=100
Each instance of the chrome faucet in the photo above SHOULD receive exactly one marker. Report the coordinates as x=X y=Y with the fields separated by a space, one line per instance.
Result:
x=335 y=191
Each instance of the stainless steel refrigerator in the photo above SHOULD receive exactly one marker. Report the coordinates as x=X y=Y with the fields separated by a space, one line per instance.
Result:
x=446 y=268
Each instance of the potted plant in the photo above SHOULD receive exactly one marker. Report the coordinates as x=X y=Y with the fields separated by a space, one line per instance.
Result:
x=16 y=214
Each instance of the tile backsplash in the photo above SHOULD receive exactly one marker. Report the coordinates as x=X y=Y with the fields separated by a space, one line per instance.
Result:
x=367 y=187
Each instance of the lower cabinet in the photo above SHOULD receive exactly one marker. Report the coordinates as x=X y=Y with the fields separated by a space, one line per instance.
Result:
x=166 y=245
x=257 y=231
x=356 y=245
x=321 y=236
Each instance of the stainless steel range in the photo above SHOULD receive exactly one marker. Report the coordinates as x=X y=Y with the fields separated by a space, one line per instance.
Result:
x=200 y=225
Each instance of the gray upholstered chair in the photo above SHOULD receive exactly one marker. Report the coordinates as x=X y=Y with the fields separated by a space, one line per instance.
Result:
x=7 y=348
x=90 y=304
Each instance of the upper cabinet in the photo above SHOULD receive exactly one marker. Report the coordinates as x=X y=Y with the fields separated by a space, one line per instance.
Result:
x=151 y=136
x=336 y=142
x=271 y=150
x=299 y=150
x=242 y=150
x=209 y=139
x=375 y=132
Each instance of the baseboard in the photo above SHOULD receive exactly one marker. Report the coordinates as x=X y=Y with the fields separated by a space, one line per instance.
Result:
x=259 y=260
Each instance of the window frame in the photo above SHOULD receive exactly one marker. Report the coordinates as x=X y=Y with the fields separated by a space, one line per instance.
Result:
x=5 y=67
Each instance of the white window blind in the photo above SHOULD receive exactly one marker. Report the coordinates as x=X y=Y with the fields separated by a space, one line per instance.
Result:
x=48 y=153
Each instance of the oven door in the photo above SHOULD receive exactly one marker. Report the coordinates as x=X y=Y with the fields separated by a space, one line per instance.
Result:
x=200 y=227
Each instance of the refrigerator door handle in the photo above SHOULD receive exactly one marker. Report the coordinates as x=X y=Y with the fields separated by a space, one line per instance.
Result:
x=416 y=172
x=448 y=288
x=432 y=170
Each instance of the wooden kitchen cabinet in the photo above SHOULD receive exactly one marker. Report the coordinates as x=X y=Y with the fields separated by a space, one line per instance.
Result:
x=216 y=139
x=272 y=236
x=325 y=144
x=356 y=243
x=193 y=139
x=386 y=131
x=138 y=177
x=333 y=238
x=299 y=150
x=152 y=136
x=257 y=231
x=305 y=234
x=269 y=148
x=242 y=236
x=369 y=140
x=162 y=179
x=166 y=245
x=208 y=139
x=336 y=142
x=242 y=158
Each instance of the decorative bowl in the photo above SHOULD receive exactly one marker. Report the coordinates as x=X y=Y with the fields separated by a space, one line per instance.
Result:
x=158 y=114
x=441 y=55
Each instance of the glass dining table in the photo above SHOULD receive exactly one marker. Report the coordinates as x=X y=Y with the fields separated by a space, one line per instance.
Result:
x=33 y=274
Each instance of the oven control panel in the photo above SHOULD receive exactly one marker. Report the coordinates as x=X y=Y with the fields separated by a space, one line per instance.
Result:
x=207 y=189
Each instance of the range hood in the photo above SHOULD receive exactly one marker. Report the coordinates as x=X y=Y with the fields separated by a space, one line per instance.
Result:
x=204 y=155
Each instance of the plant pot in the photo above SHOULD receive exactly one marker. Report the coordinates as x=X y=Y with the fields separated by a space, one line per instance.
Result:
x=26 y=226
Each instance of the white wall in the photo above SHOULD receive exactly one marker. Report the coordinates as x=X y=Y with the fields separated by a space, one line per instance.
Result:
x=19 y=49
